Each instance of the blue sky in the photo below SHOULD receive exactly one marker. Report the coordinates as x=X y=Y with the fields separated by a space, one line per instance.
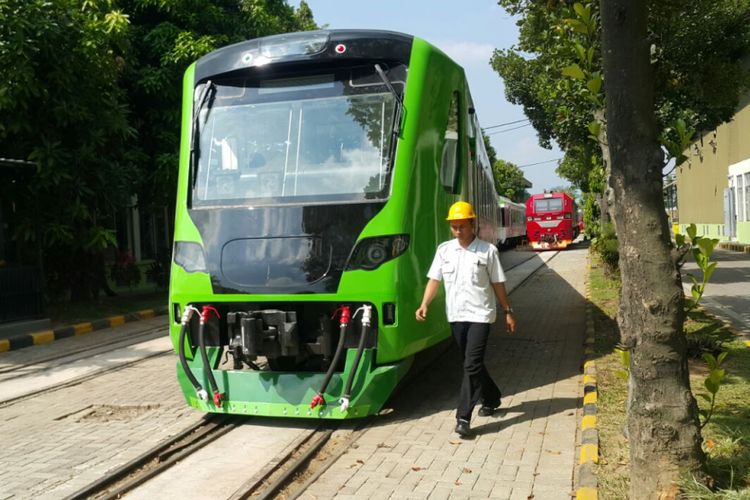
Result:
x=468 y=35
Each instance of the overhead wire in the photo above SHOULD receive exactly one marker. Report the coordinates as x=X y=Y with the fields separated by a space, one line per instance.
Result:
x=539 y=163
x=505 y=124
x=495 y=132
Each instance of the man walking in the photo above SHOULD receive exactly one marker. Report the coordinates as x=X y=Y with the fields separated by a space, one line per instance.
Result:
x=473 y=276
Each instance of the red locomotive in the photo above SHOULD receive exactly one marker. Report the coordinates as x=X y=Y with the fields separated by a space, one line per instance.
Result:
x=551 y=221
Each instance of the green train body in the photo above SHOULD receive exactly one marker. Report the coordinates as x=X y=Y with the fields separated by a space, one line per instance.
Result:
x=316 y=170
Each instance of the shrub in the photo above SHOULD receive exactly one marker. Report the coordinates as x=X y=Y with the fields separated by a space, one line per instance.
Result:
x=158 y=271
x=125 y=271
x=606 y=245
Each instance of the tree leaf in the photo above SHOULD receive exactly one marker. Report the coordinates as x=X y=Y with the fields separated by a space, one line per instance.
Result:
x=578 y=26
x=712 y=386
x=581 y=51
x=574 y=71
x=594 y=85
x=595 y=128
x=722 y=356
x=583 y=12
x=710 y=360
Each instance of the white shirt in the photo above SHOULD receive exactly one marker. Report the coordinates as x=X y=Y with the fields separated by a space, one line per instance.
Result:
x=468 y=274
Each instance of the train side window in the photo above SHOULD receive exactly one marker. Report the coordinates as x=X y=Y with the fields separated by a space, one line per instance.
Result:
x=449 y=163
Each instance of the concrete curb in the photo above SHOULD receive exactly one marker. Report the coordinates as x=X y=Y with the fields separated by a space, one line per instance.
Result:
x=46 y=336
x=587 y=487
x=735 y=247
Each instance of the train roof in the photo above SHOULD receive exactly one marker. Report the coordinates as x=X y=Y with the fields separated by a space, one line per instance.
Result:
x=318 y=45
x=553 y=194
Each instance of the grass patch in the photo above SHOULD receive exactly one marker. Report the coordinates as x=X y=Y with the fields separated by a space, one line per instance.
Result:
x=727 y=435
x=612 y=471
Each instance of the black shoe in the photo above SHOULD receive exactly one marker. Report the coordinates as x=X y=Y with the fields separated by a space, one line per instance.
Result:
x=462 y=428
x=486 y=411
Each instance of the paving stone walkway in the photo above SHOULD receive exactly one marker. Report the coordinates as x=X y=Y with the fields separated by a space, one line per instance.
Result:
x=527 y=450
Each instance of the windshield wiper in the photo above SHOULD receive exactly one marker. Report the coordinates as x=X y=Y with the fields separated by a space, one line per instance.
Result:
x=195 y=150
x=396 y=131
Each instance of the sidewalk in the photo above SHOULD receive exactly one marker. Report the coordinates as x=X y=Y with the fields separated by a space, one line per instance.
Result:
x=727 y=294
x=130 y=307
x=527 y=450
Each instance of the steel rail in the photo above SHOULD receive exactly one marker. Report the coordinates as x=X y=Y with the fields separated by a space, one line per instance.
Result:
x=305 y=451
x=84 y=378
x=126 y=341
x=158 y=459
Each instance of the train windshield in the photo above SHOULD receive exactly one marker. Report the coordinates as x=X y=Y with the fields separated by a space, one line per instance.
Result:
x=548 y=205
x=320 y=138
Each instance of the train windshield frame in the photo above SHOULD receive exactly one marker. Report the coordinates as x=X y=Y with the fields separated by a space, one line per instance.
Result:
x=297 y=138
x=548 y=205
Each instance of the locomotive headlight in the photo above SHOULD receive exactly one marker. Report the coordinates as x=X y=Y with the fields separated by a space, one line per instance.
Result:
x=189 y=256
x=370 y=253
x=376 y=254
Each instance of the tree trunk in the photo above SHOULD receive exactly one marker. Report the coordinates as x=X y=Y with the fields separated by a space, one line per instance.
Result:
x=663 y=425
x=606 y=202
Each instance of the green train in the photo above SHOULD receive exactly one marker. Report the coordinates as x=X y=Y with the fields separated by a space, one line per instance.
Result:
x=316 y=170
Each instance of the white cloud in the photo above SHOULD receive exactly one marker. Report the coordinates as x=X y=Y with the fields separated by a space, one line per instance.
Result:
x=467 y=53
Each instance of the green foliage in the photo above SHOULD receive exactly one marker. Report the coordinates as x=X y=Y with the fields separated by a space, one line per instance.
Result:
x=676 y=139
x=606 y=246
x=702 y=249
x=591 y=215
x=559 y=88
x=555 y=71
x=712 y=383
x=509 y=180
x=64 y=110
x=703 y=342
x=90 y=91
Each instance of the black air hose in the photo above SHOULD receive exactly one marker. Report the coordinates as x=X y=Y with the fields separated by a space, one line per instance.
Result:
x=367 y=311
x=343 y=326
x=217 y=396
x=191 y=377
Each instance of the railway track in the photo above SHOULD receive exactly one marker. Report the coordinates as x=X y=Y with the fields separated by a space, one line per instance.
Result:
x=158 y=459
x=287 y=470
x=23 y=387
x=39 y=364
x=267 y=483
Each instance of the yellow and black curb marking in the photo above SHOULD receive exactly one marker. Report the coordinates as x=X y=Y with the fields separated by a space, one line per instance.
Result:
x=46 y=336
x=586 y=487
x=735 y=247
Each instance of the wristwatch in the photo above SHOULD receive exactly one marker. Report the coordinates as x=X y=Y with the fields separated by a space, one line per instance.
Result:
x=509 y=310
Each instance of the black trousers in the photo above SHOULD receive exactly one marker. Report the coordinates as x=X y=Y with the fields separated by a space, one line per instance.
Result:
x=476 y=384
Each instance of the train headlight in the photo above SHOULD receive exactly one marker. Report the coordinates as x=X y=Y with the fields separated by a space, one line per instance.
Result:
x=376 y=254
x=189 y=256
x=370 y=253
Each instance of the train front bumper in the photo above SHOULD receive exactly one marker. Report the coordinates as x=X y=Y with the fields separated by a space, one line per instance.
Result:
x=288 y=394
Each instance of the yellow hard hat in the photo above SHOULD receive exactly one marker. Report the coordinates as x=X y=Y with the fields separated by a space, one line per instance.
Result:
x=460 y=210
